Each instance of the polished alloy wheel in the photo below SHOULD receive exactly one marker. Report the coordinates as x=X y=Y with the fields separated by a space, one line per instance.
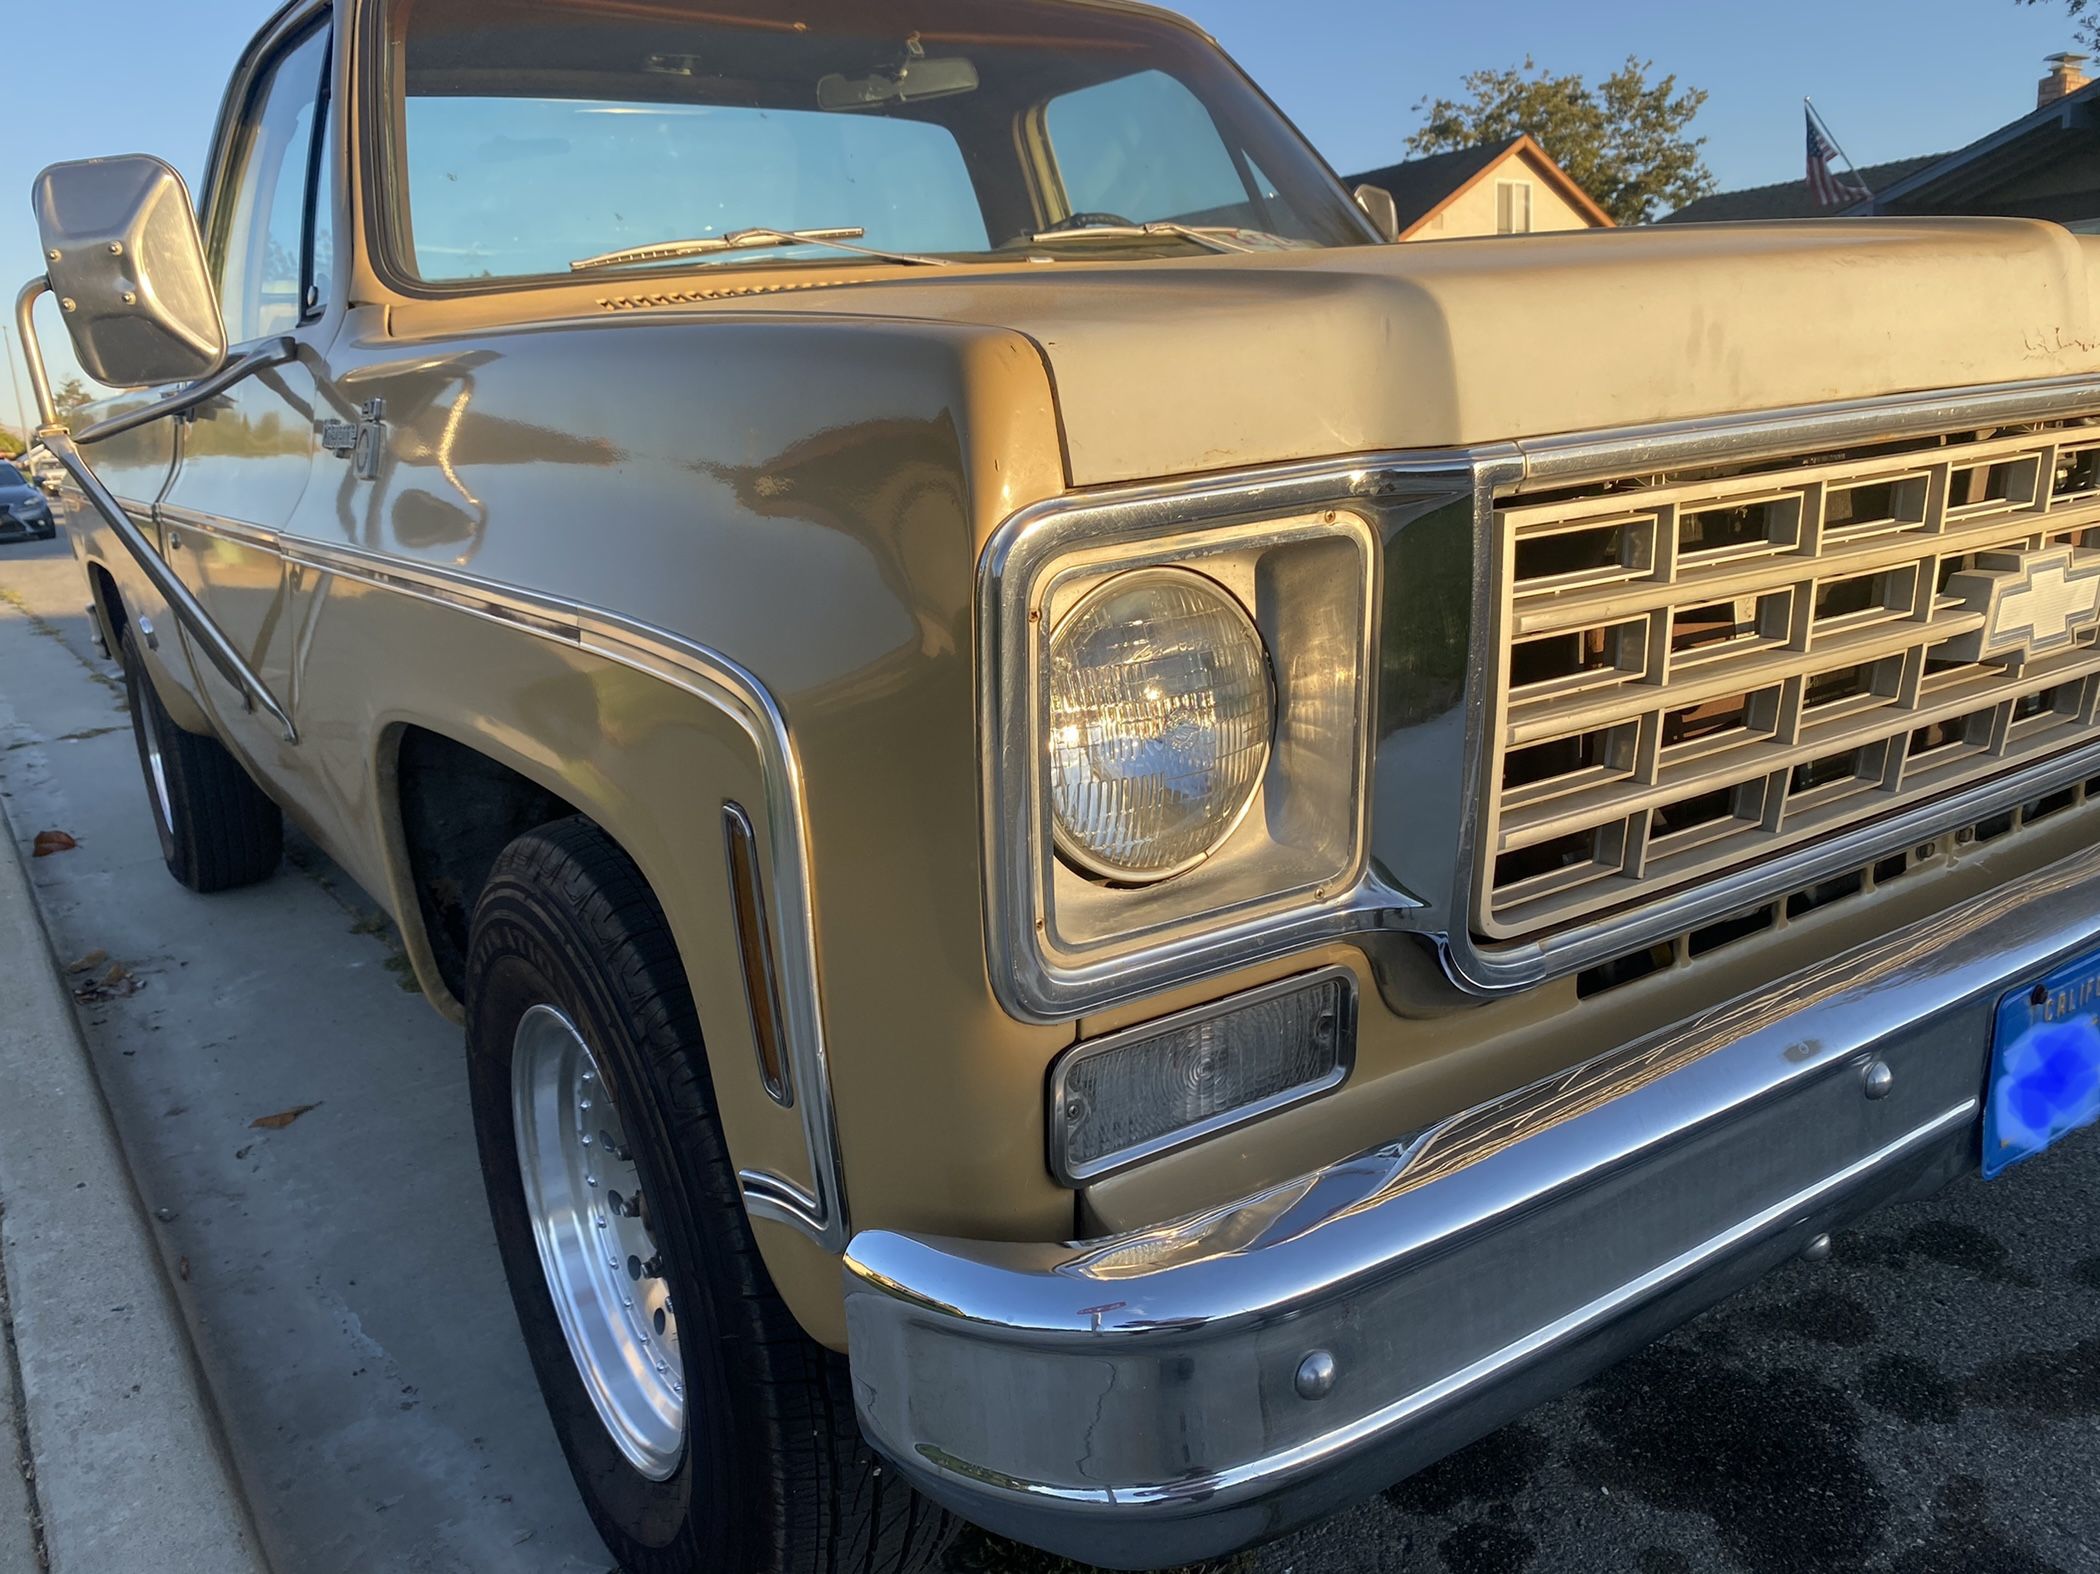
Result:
x=591 y=1222
x=157 y=771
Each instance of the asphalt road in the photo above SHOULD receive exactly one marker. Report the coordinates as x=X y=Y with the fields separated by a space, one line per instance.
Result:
x=1925 y=1402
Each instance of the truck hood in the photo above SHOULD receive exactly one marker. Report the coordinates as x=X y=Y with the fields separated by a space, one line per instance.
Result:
x=1173 y=367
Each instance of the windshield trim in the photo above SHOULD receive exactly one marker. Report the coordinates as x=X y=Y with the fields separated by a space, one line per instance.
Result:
x=382 y=190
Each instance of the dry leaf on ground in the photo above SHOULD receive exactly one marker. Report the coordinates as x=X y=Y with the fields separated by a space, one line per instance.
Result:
x=49 y=842
x=93 y=959
x=281 y=1119
x=112 y=985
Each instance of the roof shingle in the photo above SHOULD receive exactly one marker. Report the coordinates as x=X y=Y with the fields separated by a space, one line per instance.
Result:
x=1789 y=199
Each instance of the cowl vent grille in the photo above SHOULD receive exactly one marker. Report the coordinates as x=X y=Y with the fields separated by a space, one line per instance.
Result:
x=1695 y=674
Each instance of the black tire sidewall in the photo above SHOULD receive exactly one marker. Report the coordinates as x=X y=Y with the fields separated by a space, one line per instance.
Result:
x=695 y=1519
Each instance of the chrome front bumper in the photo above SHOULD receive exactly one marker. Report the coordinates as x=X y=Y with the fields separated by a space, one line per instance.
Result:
x=1177 y=1392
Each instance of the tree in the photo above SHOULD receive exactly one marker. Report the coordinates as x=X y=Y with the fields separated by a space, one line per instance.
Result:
x=2085 y=16
x=70 y=396
x=1623 y=141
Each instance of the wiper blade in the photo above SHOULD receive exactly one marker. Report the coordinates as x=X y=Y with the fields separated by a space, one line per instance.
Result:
x=756 y=239
x=1216 y=239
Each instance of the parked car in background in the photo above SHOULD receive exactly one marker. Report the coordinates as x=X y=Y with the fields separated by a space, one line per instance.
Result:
x=1113 y=859
x=25 y=513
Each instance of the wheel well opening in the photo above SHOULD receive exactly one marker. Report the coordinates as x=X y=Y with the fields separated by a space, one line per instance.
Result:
x=459 y=809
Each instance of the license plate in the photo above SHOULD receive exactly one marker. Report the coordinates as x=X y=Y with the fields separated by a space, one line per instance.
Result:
x=2045 y=1065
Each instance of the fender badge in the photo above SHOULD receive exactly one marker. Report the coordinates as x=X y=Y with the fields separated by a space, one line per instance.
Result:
x=358 y=440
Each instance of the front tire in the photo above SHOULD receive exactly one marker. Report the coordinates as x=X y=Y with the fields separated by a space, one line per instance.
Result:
x=217 y=829
x=705 y=1431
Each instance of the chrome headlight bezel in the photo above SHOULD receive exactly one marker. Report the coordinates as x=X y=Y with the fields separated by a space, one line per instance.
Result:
x=1062 y=939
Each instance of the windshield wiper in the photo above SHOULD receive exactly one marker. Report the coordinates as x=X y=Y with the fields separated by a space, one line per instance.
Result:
x=1216 y=239
x=757 y=239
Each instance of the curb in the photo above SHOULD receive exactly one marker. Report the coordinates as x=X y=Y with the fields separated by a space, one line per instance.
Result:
x=129 y=1469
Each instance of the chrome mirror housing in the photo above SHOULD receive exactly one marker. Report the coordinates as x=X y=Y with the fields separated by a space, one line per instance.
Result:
x=124 y=257
x=1384 y=213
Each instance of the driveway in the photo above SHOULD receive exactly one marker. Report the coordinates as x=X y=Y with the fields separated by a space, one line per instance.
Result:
x=1925 y=1402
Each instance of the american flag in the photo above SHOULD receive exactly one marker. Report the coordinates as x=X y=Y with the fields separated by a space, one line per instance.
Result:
x=1823 y=185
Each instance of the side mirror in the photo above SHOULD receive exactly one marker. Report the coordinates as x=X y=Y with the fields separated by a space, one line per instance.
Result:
x=1384 y=213
x=123 y=256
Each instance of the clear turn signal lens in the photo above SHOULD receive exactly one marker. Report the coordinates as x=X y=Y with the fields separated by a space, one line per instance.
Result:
x=1143 y=1092
x=1161 y=712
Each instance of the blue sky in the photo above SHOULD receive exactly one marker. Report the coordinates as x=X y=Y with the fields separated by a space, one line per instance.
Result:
x=1893 y=77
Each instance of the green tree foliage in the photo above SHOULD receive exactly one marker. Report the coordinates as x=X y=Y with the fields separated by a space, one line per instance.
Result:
x=70 y=396
x=1623 y=141
x=11 y=442
x=2085 y=16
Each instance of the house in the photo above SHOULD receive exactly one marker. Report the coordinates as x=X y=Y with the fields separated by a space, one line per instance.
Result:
x=2045 y=165
x=1499 y=188
x=1789 y=199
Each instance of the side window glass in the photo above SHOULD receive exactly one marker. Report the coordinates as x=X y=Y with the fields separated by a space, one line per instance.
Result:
x=260 y=242
x=1144 y=148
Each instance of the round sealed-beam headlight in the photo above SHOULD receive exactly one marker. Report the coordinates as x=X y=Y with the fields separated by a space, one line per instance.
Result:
x=1161 y=710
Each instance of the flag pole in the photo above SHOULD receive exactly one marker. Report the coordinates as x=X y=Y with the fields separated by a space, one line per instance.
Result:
x=1816 y=114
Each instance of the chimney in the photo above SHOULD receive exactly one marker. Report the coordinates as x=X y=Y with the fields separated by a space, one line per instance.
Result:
x=2066 y=76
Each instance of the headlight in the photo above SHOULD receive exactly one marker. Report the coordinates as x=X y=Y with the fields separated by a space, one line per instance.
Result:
x=1161 y=713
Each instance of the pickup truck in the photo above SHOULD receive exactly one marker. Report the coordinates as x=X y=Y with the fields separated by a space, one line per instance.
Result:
x=1115 y=860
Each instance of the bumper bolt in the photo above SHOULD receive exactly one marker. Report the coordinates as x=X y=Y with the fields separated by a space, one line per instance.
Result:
x=1817 y=1250
x=1879 y=1079
x=1316 y=1374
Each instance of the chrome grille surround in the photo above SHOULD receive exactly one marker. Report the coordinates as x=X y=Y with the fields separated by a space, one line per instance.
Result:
x=1694 y=674
x=1426 y=877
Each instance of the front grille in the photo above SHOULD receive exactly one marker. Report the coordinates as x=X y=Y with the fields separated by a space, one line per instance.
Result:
x=1696 y=672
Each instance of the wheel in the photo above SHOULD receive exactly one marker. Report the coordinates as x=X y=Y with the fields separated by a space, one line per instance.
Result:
x=217 y=828
x=704 y=1429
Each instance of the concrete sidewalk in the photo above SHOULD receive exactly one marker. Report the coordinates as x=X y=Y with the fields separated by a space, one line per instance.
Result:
x=113 y=1457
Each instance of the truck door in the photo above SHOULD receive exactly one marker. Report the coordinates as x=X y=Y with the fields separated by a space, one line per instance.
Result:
x=243 y=460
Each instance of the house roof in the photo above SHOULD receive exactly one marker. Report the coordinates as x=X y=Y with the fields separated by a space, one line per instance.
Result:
x=1422 y=187
x=2014 y=149
x=1789 y=199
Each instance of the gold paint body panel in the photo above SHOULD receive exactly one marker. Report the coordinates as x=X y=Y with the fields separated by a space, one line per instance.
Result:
x=803 y=481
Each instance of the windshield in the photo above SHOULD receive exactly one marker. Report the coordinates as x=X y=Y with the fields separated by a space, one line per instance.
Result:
x=529 y=134
x=10 y=476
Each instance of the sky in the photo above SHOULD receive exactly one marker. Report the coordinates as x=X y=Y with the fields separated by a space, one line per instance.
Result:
x=1892 y=78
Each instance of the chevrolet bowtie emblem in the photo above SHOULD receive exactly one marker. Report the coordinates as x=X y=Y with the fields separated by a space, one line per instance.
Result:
x=2033 y=603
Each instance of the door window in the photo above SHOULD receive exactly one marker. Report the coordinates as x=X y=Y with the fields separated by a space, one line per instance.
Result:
x=262 y=245
x=1143 y=148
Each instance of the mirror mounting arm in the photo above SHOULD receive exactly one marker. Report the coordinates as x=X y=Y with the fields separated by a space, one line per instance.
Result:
x=270 y=352
x=62 y=445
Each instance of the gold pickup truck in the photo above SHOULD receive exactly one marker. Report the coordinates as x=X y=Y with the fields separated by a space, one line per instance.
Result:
x=1114 y=859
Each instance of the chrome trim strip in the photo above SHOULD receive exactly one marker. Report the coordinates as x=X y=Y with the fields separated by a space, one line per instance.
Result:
x=255 y=537
x=819 y=1211
x=1034 y=987
x=1156 y=1406
x=1576 y=457
x=1077 y=1175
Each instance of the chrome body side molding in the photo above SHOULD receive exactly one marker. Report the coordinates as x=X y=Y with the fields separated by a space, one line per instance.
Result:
x=1176 y=1392
x=819 y=1210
